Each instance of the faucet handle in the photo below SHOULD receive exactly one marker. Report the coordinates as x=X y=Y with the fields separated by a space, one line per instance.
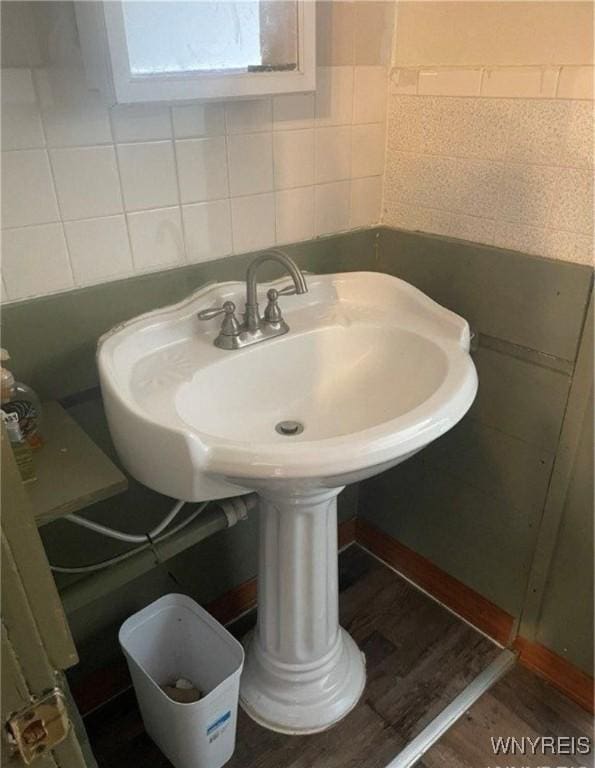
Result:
x=230 y=325
x=272 y=313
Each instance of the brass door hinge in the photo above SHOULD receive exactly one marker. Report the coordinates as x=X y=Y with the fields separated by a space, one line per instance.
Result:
x=38 y=728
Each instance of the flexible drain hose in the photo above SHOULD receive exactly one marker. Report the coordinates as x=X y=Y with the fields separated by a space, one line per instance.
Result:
x=132 y=538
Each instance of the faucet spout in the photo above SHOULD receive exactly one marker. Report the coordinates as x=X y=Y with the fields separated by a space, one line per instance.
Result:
x=252 y=317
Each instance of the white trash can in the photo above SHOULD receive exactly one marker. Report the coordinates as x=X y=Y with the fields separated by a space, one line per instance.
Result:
x=175 y=638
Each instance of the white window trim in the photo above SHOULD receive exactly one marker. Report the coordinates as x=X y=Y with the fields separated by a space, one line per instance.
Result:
x=182 y=87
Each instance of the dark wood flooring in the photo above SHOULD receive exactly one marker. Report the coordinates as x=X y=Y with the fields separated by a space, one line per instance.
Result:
x=521 y=704
x=419 y=657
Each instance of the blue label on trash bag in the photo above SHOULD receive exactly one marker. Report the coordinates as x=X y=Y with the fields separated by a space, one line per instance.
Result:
x=219 y=722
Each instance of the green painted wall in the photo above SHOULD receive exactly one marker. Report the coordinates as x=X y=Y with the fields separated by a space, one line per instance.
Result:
x=566 y=621
x=473 y=501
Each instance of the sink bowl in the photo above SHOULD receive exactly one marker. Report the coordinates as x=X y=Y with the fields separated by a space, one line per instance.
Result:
x=372 y=368
x=371 y=371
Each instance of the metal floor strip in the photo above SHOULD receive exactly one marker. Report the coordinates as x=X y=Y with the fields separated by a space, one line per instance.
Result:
x=457 y=707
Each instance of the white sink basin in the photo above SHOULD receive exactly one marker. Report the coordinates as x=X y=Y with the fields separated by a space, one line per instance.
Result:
x=372 y=369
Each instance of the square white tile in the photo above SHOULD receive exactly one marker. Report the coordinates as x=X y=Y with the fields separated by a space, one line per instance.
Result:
x=27 y=189
x=403 y=82
x=196 y=120
x=366 y=201
x=86 y=181
x=202 y=169
x=576 y=83
x=73 y=115
x=141 y=122
x=35 y=261
x=292 y=111
x=334 y=96
x=449 y=82
x=295 y=214
x=148 y=175
x=332 y=154
x=99 y=249
x=253 y=222
x=367 y=150
x=250 y=163
x=331 y=207
x=248 y=116
x=293 y=154
x=517 y=82
x=207 y=227
x=21 y=119
x=369 y=94
x=157 y=239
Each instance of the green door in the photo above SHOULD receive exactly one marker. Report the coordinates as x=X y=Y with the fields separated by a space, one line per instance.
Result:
x=41 y=724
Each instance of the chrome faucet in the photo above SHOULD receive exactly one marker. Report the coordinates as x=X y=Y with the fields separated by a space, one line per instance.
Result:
x=235 y=335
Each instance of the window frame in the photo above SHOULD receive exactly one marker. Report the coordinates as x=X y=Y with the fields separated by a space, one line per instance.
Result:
x=130 y=89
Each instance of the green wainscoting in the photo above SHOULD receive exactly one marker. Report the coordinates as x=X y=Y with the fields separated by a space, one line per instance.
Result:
x=472 y=502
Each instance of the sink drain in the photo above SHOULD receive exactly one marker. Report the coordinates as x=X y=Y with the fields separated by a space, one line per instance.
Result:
x=289 y=428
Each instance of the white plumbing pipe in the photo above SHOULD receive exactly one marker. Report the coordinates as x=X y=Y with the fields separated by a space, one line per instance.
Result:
x=131 y=552
x=132 y=538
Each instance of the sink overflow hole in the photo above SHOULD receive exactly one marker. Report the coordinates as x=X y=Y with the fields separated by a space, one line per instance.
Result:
x=289 y=428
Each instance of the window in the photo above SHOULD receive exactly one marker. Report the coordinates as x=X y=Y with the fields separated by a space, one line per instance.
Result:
x=179 y=49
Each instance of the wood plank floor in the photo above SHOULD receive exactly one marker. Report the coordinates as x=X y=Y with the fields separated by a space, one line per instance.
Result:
x=419 y=657
x=521 y=704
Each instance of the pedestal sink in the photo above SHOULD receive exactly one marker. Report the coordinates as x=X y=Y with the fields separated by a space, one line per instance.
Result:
x=371 y=371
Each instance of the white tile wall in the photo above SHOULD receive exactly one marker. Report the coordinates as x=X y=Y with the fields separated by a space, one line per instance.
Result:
x=207 y=229
x=99 y=249
x=86 y=181
x=202 y=169
x=27 y=189
x=332 y=154
x=250 y=163
x=293 y=153
x=539 y=81
x=35 y=261
x=21 y=119
x=156 y=238
x=295 y=214
x=146 y=187
x=332 y=207
x=148 y=175
x=253 y=222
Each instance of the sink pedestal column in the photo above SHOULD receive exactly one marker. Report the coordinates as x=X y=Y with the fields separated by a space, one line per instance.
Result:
x=303 y=672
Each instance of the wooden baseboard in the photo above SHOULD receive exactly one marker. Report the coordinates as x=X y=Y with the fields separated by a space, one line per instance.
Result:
x=479 y=611
x=563 y=675
x=346 y=534
x=461 y=599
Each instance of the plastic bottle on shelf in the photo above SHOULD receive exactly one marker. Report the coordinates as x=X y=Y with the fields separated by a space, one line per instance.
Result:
x=16 y=397
x=20 y=447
